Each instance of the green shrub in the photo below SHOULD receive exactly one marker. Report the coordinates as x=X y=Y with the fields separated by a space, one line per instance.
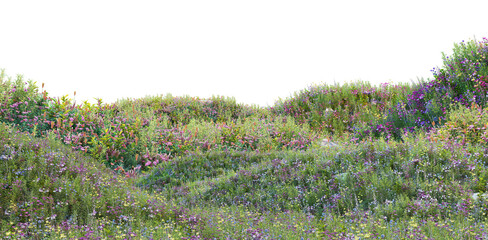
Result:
x=465 y=125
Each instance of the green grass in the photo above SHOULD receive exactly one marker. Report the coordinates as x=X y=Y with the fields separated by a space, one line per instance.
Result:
x=408 y=162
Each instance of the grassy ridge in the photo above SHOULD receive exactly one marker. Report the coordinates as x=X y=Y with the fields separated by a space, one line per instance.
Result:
x=408 y=161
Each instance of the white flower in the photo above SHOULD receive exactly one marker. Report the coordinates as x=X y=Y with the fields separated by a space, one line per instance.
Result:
x=476 y=196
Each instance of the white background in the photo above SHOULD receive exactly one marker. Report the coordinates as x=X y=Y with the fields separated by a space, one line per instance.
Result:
x=255 y=51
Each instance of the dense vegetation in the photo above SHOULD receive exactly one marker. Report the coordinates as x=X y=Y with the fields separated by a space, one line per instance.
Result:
x=401 y=161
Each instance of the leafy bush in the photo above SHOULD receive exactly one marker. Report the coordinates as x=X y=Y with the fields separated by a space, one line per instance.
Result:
x=463 y=79
x=465 y=125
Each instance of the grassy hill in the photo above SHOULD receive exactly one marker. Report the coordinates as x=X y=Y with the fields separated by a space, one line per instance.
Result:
x=406 y=161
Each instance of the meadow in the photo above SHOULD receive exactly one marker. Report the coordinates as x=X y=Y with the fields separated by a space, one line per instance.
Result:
x=408 y=161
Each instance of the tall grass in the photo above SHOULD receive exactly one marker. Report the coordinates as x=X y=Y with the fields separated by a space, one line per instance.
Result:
x=402 y=161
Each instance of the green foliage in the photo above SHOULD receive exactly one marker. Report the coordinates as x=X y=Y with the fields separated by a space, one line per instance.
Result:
x=400 y=161
x=45 y=182
x=340 y=108
x=466 y=125
x=21 y=104
x=467 y=68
